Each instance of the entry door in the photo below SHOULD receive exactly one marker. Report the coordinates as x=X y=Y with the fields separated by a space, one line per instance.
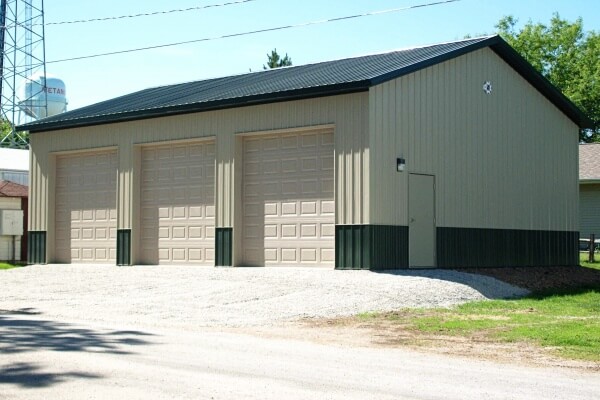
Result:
x=421 y=223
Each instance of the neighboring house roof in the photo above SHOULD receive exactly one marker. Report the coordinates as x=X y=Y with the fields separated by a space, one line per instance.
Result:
x=14 y=160
x=292 y=83
x=11 y=189
x=589 y=162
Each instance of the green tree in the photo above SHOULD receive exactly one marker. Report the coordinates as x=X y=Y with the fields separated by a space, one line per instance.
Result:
x=567 y=56
x=275 y=61
x=5 y=131
x=5 y=127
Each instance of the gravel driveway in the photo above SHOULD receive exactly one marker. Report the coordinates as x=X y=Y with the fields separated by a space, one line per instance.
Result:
x=183 y=296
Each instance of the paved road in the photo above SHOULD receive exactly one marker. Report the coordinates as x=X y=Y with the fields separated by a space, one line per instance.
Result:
x=45 y=359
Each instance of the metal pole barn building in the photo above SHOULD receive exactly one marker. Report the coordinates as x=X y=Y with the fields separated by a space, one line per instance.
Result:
x=455 y=154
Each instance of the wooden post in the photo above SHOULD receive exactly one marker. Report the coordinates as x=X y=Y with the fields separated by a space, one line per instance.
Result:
x=592 y=248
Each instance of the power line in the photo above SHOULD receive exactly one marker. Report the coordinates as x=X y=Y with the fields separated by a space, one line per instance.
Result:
x=148 y=14
x=230 y=3
x=278 y=28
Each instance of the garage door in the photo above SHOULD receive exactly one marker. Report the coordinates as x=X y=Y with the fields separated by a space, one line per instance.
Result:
x=288 y=206
x=86 y=212
x=178 y=210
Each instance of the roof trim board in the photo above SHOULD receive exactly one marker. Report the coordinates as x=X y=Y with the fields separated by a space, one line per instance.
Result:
x=328 y=78
x=300 y=94
x=430 y=62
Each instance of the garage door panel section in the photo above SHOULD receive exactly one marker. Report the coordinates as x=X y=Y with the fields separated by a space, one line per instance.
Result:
x=86 y=214
x=289 y=199
x=177 y=199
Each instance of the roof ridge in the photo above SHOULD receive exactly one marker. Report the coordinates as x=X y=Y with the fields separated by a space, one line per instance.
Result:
x=323 y=78
x=288 y=67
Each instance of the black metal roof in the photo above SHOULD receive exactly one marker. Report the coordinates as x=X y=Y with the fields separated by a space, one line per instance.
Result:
x=291 y=83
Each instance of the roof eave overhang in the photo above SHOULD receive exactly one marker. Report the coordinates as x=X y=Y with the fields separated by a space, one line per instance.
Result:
x=496 y=43
x=298 y=94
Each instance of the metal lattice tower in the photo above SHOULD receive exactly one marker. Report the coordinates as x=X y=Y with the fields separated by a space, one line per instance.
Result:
x=22 y=56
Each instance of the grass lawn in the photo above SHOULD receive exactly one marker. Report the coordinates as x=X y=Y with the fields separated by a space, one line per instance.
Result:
x=567 y=322
x=583 y=260
x=9 y=266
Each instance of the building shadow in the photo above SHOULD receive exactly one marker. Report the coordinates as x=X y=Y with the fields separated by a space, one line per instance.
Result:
x=487 y=286
x=23 y=331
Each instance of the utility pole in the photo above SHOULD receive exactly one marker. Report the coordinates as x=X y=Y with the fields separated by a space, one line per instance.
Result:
x=22 y=67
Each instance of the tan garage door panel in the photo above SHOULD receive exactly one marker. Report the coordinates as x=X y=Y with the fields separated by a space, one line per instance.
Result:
x=178 y=211
x=86 y=213
x=289 y=213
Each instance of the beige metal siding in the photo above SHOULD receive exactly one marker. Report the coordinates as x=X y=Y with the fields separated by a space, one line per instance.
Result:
x=177 y=204
x=589 y=209
x=288 y=199
x=348 y=114
x=86 y=210
x=505 y=160
x=41 y=170
x=125 y=185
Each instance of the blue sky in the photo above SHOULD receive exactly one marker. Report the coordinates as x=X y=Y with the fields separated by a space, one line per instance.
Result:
x=93 y=80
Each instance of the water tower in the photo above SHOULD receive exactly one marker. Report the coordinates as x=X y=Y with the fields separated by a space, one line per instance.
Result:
x=24 y=89
x=44 y=96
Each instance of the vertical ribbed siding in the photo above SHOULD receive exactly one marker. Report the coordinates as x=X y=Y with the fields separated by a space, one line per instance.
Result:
x=507 y=160
x=125 y=186
x=134 y=202
x=467 y=247
x=224 y=164
x=124 y=247
x=223 y=247
x=36 y=252
x=374 y=247
x=348 y=114
x=352 y=247
x=39 y=170
x=589 y=209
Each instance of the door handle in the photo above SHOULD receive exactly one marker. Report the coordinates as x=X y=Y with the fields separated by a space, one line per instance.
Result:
x=412 y=220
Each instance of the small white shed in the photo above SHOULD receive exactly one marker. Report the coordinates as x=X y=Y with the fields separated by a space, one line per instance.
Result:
x=13 y=221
